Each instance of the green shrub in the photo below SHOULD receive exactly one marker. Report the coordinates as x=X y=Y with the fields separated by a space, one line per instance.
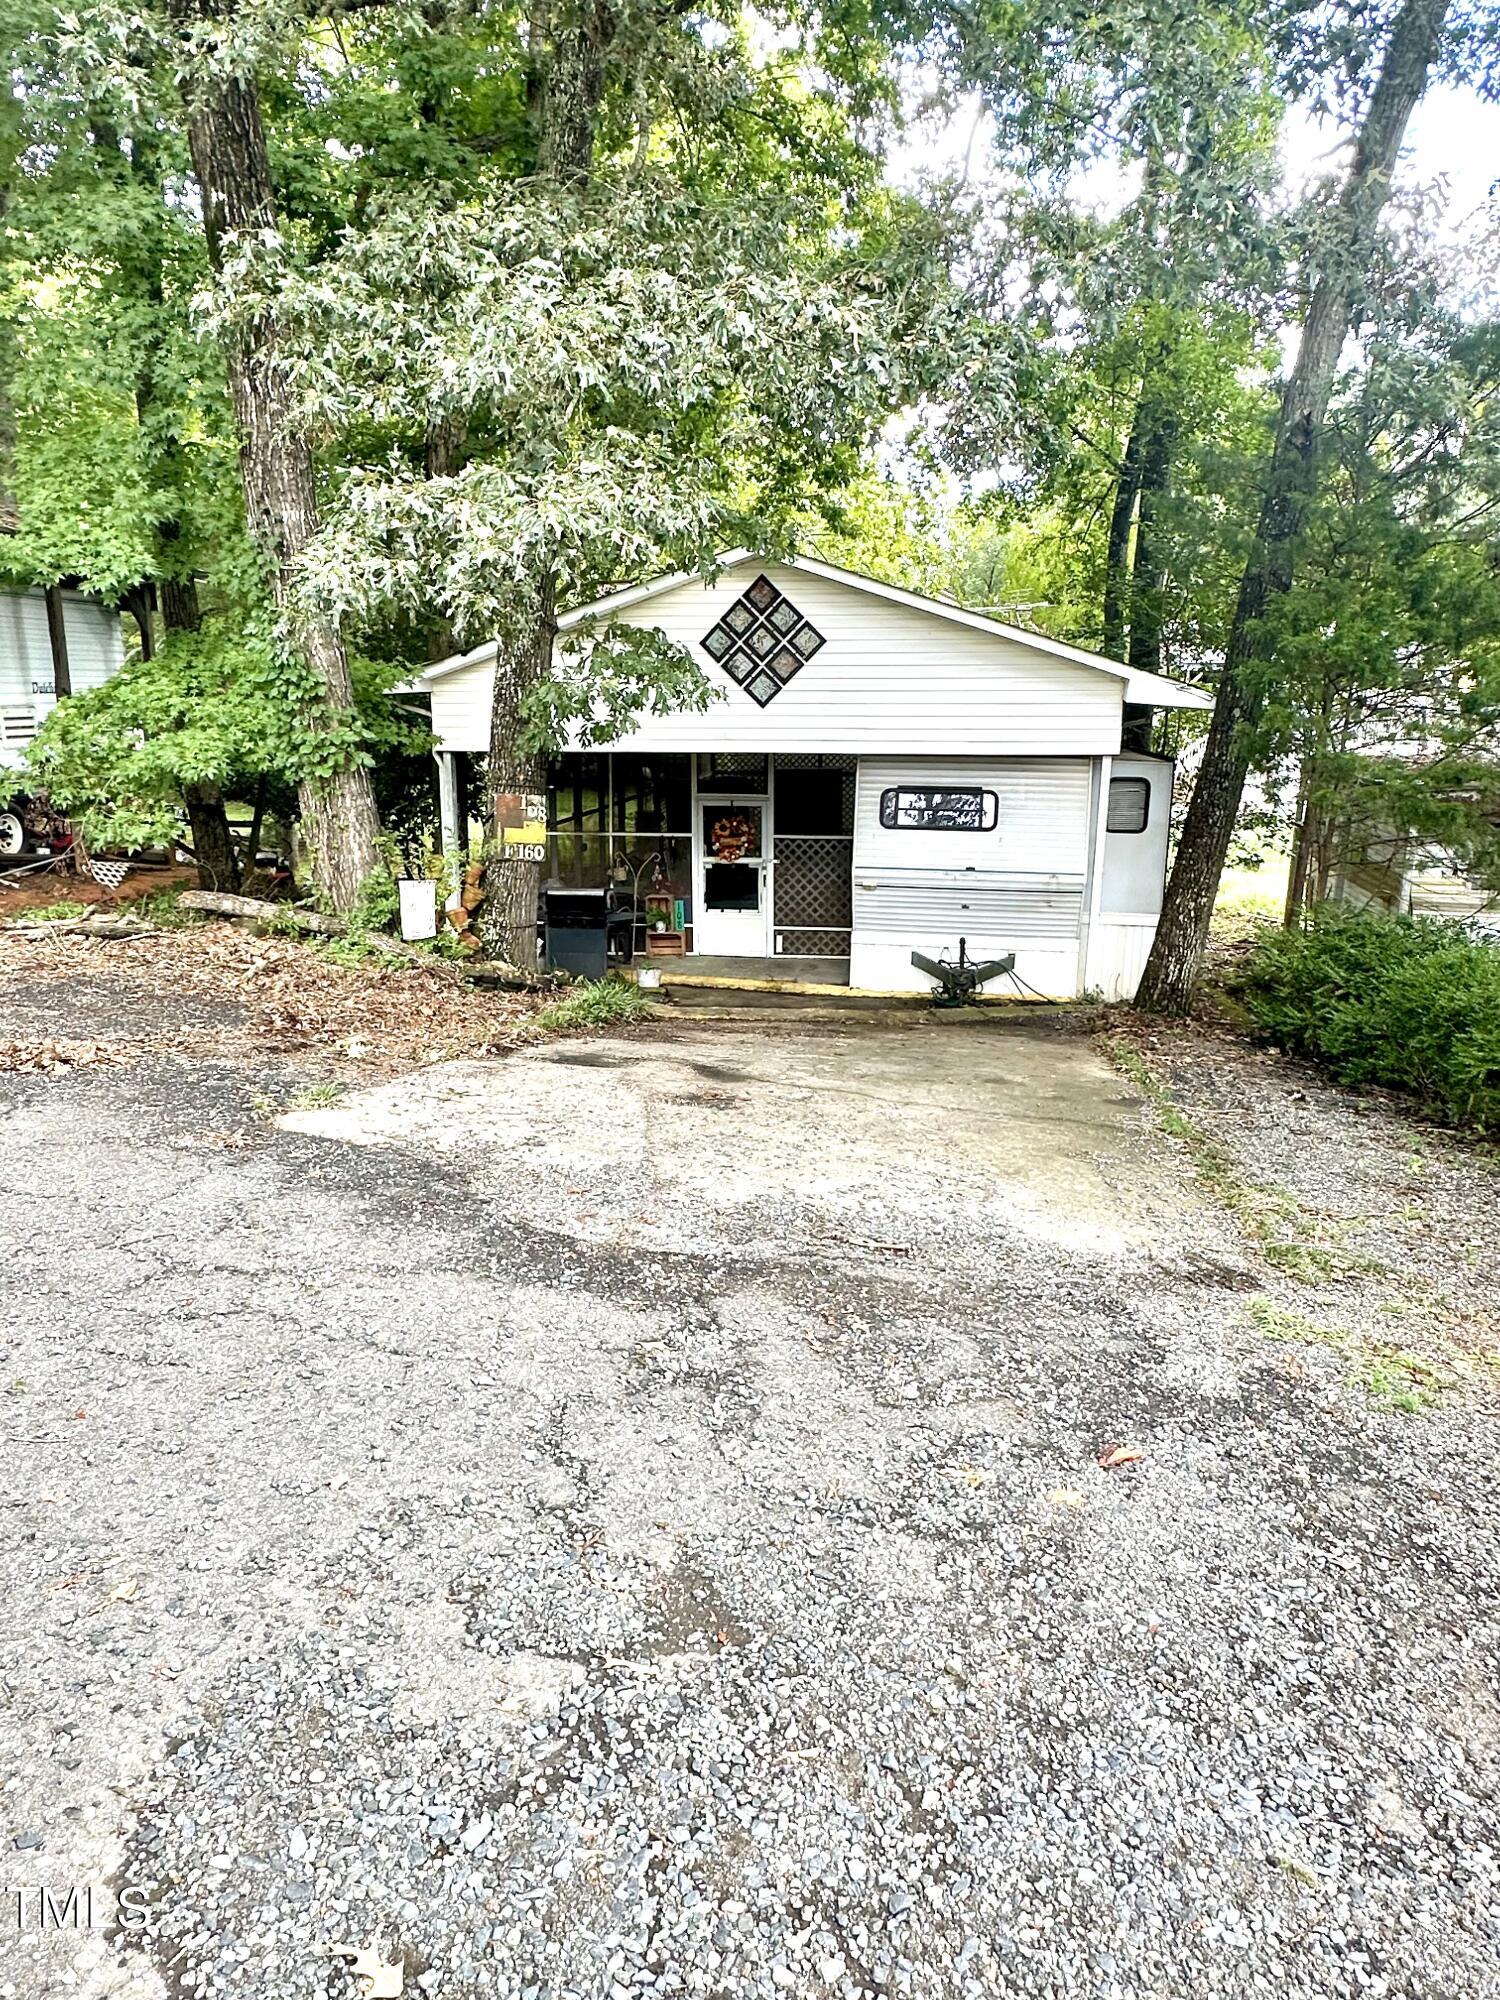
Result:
x=1410 y=1004
x=597 y=1003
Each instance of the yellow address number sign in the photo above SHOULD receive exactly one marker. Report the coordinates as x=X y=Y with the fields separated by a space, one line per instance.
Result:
x=521 y=818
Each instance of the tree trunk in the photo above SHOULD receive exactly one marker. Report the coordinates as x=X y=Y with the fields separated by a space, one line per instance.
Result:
x=572 y=92
x=442 y=454
x=566 y=104
x=1291 y=481
x=340 y=826
x=57 y=640
x=512 y=888
x=1146 y=611
x=1117 y=547
x=213 y=843
x=1296 y=887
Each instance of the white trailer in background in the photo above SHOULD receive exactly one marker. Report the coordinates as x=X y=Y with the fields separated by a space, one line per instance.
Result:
x=86 y=634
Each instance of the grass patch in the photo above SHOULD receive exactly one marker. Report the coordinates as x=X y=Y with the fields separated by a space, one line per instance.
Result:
x=595 y=1003
x=350 y=952
x=1391 y=1378
x=1250 y=898
x=52 y=913
x=161 y=907
x=317 y=1097
x=1272 y=1219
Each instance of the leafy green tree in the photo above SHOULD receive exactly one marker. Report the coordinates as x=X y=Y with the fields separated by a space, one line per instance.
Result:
x=1340 y=263
x=1142 y=310
x=653 y=333
x=1386 y=702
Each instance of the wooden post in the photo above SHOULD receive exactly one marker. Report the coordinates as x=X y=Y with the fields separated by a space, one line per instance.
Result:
x=57 y=638
x=450 y=837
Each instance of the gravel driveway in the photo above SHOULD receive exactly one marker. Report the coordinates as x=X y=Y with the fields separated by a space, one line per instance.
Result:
x=628 y=1520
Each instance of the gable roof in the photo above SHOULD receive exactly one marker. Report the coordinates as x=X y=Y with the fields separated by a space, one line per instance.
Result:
x=1150 y=690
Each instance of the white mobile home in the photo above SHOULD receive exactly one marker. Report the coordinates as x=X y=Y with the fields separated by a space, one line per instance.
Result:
x=880 y=773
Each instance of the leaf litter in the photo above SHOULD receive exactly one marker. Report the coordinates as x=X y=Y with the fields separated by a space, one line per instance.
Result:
x=217 y=990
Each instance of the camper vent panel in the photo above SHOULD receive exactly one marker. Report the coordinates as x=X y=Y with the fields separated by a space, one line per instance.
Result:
x=17 y=725
x=985 y=910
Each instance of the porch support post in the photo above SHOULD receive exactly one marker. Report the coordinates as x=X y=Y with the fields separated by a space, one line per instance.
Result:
x=1094 y=885
x=450 y=835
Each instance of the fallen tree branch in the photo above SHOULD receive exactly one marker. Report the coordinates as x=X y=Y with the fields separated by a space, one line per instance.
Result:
x=250 y=909
x=95 y=927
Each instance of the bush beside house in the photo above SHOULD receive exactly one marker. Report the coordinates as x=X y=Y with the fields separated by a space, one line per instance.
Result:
x=1408 y=1003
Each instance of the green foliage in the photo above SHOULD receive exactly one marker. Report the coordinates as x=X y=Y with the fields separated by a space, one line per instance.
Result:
x=645 y=374
x=117 y=756
x=1407 y=1004
x=378 y=904
x=1383 y=690
x=54 y=913
x=599 y=1003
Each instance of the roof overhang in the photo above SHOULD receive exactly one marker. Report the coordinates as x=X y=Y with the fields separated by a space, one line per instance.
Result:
x=1151 y=690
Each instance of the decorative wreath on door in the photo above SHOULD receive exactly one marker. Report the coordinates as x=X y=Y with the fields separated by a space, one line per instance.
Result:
x=731 y=837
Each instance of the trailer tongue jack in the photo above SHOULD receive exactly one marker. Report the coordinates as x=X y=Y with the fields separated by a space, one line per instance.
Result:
x=958 y=983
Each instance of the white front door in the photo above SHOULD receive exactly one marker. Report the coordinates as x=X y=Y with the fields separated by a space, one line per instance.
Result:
x=731 y=915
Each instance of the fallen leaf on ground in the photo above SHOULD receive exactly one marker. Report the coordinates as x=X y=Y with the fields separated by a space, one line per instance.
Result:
x=1066 y=1496
x=48 y=1056
x=123 y=1592
x=1120 y=1454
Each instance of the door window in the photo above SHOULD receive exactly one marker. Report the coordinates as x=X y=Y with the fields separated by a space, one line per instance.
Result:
x=731 y=833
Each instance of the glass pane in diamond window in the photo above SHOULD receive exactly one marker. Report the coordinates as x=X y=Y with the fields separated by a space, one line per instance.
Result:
x=740 y=664
x=763 y=687
x=739 y=617
x=763 y=593
x=784 y=663
x=762 y=642
x=718 y=642
x=807 y=640
x=785 y=617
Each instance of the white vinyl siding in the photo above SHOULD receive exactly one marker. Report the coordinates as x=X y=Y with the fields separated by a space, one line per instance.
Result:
x=888 y=679
x=1042 y=816
x=95 y=651
x=1020 y=887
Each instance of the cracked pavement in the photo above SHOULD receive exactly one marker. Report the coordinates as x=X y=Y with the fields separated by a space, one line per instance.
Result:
x=626 y=1519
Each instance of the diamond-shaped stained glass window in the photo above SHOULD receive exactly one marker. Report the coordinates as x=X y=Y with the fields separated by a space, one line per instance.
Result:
x=762 y=641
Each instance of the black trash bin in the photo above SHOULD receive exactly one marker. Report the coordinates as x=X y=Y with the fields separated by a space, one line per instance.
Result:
x=577 y=934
